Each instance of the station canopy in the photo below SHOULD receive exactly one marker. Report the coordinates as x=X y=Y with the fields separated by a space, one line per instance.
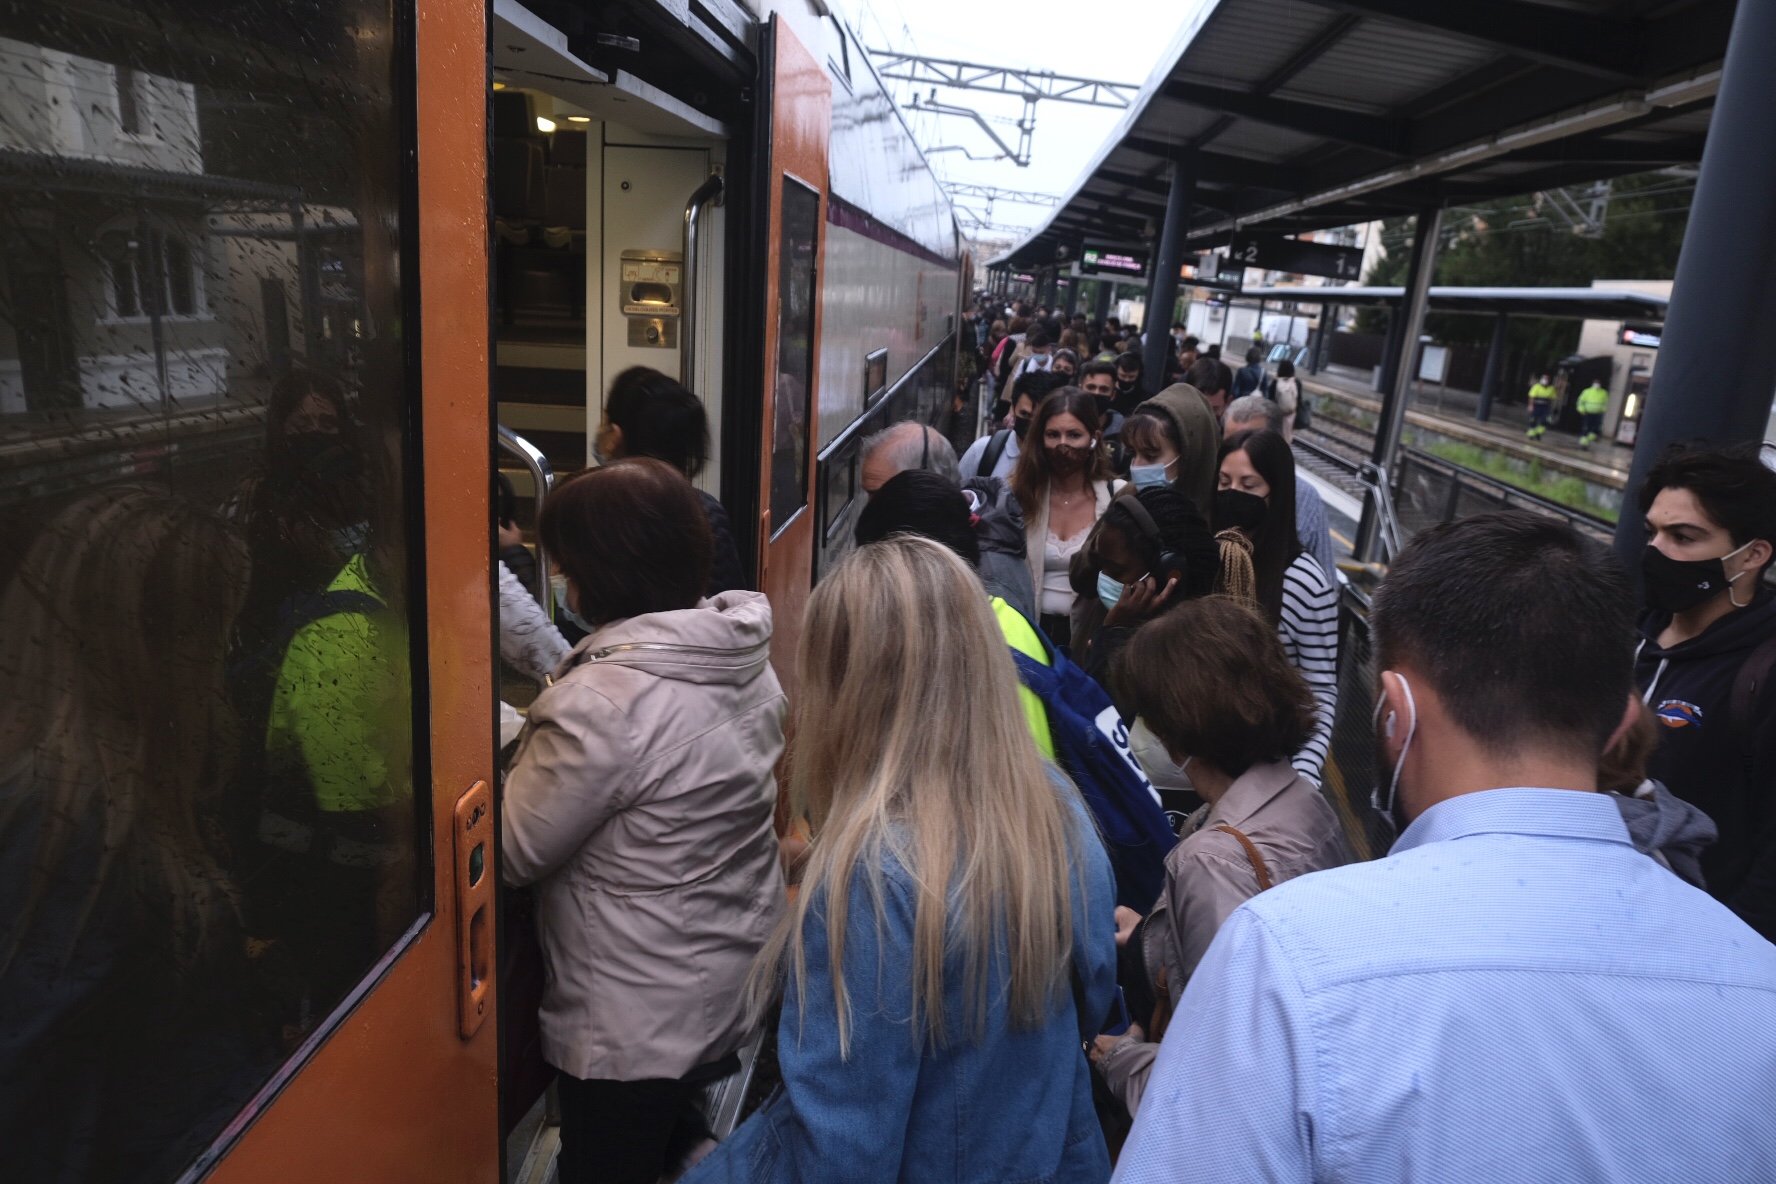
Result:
x=1603 y=304
x=1300 y=115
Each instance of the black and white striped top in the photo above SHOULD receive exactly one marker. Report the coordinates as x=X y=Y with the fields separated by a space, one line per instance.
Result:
x=1309 y=632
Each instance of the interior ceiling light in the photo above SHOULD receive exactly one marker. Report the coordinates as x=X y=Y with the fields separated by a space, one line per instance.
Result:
x=545 y=124
x=579 y=119
x=498 y=85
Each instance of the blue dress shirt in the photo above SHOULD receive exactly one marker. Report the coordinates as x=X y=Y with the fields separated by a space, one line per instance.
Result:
x=1514 y=993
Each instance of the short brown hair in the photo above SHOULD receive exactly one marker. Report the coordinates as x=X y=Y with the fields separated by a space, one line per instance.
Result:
x=1210 y=679
x=632 y=536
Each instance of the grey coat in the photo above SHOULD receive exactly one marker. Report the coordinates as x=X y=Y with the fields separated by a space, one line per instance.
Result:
x=640 y=803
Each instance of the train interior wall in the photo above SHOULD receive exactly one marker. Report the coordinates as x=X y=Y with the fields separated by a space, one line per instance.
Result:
x=610 y=218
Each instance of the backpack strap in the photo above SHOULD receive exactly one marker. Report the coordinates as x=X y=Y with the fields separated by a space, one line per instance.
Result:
x=1259 y=867
x=1754 y=676
x=995 y=449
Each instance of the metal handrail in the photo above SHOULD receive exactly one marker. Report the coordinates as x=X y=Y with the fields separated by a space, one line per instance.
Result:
x=542 y=474
x=710 y=192
x=1375 y=478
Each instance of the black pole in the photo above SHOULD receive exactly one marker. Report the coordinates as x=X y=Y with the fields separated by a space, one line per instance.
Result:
x=1105 y=289
x=1162 y=284
x=1328 y=318
x=1717 y=358
x=1390 y=350
x=1495 y=362
x=1410 y=319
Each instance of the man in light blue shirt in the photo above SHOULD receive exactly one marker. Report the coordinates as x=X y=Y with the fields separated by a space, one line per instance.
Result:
x=1514 y=993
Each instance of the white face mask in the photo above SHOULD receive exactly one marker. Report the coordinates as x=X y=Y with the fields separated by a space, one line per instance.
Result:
x=1387 y=810
x=559 y=584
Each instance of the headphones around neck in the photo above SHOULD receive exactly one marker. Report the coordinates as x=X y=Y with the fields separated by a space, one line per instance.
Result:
x=1170 y=562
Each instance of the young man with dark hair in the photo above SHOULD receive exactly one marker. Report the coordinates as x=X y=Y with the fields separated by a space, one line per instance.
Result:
x=1131 y=392
x=1514 y=984
x=1707 y=656
x=1212 y=377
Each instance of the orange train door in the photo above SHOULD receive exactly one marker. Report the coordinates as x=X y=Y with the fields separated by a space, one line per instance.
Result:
x=801 y=123
x=254 y=940
x=403 y=1086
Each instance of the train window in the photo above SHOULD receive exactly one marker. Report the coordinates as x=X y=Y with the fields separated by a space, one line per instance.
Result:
x=797 y=302
x=840 y=486
x=209 y=832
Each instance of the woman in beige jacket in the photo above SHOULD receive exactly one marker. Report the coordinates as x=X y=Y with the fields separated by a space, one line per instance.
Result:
x=640 y=804
x=1209 y=678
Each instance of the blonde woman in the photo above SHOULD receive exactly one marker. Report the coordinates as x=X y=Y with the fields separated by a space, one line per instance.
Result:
x=130 y=1020
x=955 y=923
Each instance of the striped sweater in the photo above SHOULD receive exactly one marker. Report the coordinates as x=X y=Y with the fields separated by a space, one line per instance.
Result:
x=1309 y=632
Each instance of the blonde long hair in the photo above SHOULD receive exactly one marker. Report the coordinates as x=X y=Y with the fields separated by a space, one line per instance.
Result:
x=117 y=625
x=910 y=743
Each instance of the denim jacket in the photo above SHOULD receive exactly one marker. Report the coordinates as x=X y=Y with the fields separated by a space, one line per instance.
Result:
x=1015 y=1105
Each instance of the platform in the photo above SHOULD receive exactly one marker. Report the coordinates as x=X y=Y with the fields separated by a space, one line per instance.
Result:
x=1451 y=412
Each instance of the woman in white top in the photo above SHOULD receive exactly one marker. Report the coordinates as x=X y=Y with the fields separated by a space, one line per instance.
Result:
x=1063 y=484
x=1256 y=494
x=1287 y=393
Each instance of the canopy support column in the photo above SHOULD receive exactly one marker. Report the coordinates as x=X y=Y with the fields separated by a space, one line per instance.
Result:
x=1410 y=322
x=1162 y=288
x=1495 y=364
x=1717 y=358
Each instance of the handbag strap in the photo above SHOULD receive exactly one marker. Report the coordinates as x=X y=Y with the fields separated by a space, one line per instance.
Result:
x=1258 y=864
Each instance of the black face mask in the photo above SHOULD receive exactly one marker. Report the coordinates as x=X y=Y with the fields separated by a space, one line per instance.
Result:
x=1020 y=425
x=1238 y=509
x=1674 y=585
x=1126 y=387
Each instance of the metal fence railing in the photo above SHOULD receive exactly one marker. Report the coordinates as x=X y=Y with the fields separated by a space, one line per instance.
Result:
x=1351 y=768
x=1428 y=491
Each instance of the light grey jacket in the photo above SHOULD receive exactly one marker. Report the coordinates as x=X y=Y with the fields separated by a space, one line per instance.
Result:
x=1209 y=874
x=640 y=803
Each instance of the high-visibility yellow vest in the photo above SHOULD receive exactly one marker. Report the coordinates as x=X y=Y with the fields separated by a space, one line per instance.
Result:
x=1541 y=391
x=1593 y=400
x=1021 y=636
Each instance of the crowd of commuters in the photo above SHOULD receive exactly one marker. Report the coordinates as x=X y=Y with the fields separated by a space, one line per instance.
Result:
x=960 y=987
x=952 y=917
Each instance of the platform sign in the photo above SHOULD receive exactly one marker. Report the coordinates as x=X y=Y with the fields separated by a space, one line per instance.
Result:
x=1641 y=336
x=1097 y=261
x=1216 y=272
x=1274 y=252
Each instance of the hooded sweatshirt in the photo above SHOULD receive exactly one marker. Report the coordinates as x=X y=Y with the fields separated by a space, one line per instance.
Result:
x=1728 y=771
x=1200 y=436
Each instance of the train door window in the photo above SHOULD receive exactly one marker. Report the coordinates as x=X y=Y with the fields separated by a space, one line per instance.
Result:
x=209 y=836
x=793 y=427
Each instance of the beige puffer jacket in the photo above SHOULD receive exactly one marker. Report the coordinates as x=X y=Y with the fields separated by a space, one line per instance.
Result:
x=640 y=804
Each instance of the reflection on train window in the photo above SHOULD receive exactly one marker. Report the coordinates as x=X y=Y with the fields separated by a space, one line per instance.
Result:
x=792 y=426
x=207 y=747
x=839 y=486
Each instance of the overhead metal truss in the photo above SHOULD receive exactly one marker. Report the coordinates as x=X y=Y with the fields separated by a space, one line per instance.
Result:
x=1029 y=85
x=991 y=193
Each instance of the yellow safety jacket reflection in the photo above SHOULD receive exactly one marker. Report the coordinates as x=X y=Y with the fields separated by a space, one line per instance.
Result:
x=341 y=714
x=1593 y=400
x=1540 y=391
x=1021 y=636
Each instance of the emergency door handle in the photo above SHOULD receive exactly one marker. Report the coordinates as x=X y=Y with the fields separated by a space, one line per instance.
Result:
x=473 y=852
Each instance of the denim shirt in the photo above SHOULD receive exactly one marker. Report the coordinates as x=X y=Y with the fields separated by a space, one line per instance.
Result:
x=1013 y=1105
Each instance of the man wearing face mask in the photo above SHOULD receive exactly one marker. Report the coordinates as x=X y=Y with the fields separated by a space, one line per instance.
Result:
x=996 y=454
x=1708 y=647
x=1513 y=958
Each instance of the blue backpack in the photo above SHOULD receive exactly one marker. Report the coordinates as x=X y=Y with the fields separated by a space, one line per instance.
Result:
x=1091 y=744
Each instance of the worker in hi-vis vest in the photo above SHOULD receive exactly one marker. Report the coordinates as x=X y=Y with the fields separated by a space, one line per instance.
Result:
x=1593 y=402
x=1541 y=407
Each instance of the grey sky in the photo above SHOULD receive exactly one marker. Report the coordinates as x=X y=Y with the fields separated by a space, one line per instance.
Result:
x=1119 y=43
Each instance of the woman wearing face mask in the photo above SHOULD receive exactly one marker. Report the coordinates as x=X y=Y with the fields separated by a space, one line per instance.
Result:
x=1171 y=440
x=1256 y=495
x=1708 y=638
x=1154 y=551
x=1209 y=679
x=1063 y=484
